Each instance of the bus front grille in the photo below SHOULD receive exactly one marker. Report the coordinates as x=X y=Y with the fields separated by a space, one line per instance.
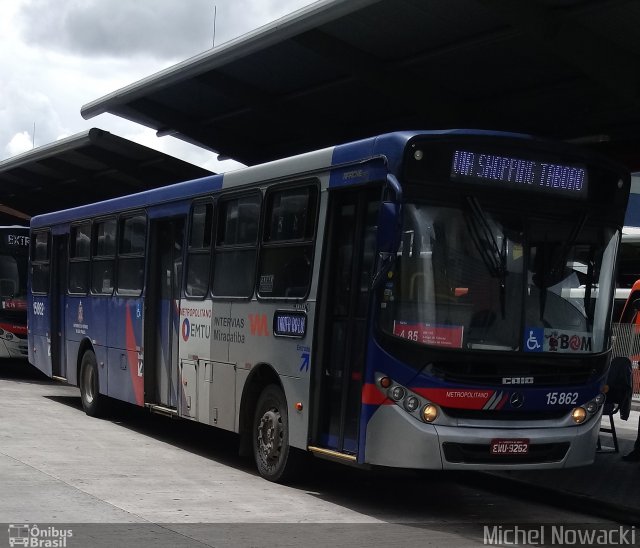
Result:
x=502 y=415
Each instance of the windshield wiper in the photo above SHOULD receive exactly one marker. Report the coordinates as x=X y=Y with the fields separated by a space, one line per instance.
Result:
x=556 y=273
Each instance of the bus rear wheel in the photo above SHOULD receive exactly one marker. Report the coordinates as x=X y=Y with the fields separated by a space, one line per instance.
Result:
x=92 y=401
x=275 y=459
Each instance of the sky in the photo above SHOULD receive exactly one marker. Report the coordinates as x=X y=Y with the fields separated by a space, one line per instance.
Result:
x=57 y=55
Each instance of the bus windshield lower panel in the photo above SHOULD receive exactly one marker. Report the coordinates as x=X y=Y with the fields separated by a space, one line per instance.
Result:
x=473 y=278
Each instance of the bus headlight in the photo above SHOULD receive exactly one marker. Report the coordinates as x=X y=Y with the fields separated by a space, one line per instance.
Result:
x=429 y=413
x=411 y=404
x=588 y=409
x=397 y=393
x=578 y=414
x=592 y=407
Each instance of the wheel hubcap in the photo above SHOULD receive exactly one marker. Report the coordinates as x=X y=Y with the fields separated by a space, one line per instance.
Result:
x=270 y=434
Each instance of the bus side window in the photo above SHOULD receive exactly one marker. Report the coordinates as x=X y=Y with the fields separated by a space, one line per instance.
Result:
x=131 y=251
x=287 y=247
x=40 y=256
x=234 y=262
x=103 y=255
x=199 y=252
x=79 y=245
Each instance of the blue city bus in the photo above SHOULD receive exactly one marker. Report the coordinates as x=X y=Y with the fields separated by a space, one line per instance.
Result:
x=14 y=252
x=404 y=300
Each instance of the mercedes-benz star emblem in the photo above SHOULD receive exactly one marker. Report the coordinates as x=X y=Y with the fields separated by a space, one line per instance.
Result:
x=516 y=400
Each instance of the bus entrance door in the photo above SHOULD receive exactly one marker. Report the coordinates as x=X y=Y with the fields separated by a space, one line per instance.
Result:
x=58 y=292
x=345 y=289
x=163 y=313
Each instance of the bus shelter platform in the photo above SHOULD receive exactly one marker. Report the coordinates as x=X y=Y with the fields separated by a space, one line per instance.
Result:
x=609 y=488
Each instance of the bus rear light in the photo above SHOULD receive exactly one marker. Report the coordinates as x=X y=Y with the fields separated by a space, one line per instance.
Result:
x=429 y=413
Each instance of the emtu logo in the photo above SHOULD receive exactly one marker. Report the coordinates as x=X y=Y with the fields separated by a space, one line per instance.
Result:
x=258 y=325
x=186 y=329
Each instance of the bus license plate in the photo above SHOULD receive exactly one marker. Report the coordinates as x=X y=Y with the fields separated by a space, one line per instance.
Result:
x=509 y=447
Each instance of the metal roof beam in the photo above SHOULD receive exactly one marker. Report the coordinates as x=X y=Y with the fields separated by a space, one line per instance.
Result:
x=134 y=172
x=192 y=131
x=265 y=104
x=596 y=56
x=384 y=78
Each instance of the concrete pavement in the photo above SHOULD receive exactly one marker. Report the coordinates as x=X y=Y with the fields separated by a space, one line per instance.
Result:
x=151 y=481
x=609 y=488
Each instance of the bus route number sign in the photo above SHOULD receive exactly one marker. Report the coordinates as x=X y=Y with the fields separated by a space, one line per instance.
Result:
x=509 y=447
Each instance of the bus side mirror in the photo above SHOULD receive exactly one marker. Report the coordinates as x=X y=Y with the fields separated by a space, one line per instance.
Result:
x=388 y=226
x=387 y=238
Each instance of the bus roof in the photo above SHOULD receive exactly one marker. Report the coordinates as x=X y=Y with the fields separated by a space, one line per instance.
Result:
x=389 y=145
x=387 y=148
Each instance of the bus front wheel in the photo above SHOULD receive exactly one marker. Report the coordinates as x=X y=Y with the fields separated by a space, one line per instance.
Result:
x=275 y=458
x=92 y=401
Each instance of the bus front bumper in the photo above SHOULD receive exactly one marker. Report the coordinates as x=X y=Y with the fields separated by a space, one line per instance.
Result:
x=396 y=439
x=16 y=348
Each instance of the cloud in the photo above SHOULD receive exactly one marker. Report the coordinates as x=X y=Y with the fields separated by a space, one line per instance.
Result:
x=19 y=143
x=162 y=29
x=56 y=56
x=155 y=28
x=27 y=107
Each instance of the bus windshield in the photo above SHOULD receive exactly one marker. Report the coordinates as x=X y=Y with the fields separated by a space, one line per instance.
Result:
x=13 y=277
x=473 y=277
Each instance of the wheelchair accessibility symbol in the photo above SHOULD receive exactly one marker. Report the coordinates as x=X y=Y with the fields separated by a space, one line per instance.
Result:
x=534 y=340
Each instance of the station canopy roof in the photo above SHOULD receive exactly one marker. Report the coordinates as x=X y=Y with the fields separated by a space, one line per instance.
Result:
x=87 y=167
x=339 y=70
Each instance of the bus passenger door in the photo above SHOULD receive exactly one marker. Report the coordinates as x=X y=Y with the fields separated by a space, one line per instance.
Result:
x=58 y=303
x=163 y=313
x=341 y=339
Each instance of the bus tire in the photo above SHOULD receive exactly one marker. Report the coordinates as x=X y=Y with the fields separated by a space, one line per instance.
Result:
x=93 y=402
x=275 y=459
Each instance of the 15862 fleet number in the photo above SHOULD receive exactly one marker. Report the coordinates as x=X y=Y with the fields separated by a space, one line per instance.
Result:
x=562 y=398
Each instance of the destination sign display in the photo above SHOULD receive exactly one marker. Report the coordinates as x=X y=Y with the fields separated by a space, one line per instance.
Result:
x=290 y=324
x=519 y=173
x=18 y=240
